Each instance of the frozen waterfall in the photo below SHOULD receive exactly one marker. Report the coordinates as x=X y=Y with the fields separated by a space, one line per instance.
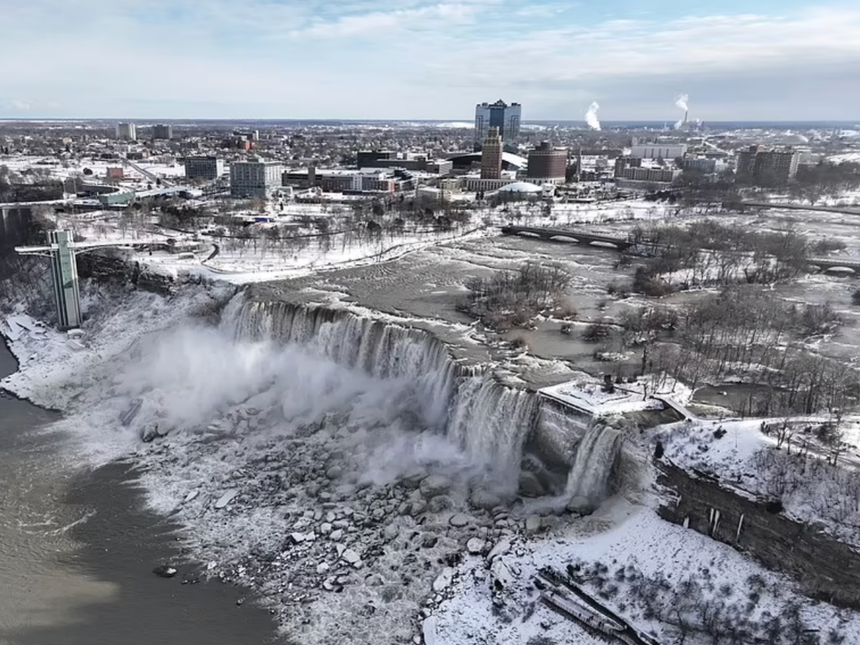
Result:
x=592 y=465
x=491 y=422
x=488 y=420
x=385 y=351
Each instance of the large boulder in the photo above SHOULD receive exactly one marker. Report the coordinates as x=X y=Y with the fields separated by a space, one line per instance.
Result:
x=434 y=485
x=530 y=486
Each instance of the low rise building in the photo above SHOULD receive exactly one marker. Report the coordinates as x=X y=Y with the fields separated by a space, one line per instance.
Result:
x=406 y=161
x=114 y=174
x=666 y=151
x=700 y=164
x=368 y=180
x=632 y=169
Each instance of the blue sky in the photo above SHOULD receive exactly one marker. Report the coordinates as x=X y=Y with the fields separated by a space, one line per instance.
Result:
x=388 y=59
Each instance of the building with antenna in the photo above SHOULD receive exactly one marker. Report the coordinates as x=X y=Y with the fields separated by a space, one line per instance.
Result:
x=506 y=118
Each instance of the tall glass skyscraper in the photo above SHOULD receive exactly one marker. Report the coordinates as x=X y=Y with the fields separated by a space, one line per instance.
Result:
x=497 y=115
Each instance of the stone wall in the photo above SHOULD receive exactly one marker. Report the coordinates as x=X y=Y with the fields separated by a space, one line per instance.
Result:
x=826 y=569
x=106 y=266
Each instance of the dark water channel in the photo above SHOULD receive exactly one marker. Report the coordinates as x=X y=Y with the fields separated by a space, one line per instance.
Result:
x=77 y=552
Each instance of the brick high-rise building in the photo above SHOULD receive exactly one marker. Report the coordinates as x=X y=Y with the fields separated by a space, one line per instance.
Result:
x=546 y=162
x=491 y=155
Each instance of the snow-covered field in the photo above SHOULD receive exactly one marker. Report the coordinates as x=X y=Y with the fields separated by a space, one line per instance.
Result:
x=75 y=168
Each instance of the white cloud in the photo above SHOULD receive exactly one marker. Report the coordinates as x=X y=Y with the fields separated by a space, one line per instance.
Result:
x=19 y=105
x=422 y=58
x=380 y=24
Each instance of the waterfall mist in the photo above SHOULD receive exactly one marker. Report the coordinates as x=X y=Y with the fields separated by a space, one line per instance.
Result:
x=391 y=396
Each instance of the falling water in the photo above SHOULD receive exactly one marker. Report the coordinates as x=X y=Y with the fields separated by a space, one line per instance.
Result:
x=491 y=422
x=593 y=463
x=484 y=417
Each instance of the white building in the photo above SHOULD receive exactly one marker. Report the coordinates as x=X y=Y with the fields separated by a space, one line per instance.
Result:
x=665 y=151
x=255 y=178
x=126 y=131
x=209 y=168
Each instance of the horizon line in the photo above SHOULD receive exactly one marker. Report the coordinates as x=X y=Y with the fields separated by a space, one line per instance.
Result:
x=125 y=119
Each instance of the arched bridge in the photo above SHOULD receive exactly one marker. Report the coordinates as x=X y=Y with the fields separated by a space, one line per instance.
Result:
x=826 y=264
x=580 y=237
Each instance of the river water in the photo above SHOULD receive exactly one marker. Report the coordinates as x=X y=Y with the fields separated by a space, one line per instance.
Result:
x=77 y=552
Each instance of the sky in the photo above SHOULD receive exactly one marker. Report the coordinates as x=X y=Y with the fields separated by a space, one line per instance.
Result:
x=419 y=59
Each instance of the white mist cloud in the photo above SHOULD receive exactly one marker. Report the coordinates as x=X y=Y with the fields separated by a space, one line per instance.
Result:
x=192 y=377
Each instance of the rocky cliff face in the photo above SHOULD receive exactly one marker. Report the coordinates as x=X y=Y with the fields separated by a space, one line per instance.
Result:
x=114 y=267
x=825 y=568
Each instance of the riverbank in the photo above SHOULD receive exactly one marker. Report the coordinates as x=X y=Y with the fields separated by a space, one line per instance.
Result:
x=79 y=548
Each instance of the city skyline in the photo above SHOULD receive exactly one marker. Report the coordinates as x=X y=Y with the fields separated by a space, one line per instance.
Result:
x=270 y=59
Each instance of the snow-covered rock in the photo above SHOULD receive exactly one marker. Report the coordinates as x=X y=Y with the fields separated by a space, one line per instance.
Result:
x=226 y=498
x=434 y=485
x=459 y=520
x=350 y=556
x=533 y=523
x=443 y=580
x=475 y=545
x=501 y=547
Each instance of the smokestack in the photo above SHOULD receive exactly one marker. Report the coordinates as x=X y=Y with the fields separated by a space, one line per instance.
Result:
x=686 y=114
x=579 y=164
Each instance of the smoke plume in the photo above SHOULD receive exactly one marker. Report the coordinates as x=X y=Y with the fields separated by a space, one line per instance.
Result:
x=681 y=103
x=591 y=116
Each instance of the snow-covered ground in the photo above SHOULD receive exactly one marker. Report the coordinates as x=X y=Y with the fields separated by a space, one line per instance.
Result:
x=75 y=168
x=780 y=459
x=853 y=157
x=621 y=537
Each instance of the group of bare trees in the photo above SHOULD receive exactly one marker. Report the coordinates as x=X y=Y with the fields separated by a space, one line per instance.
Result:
x=24 y=279
x=697 y=609
x=513 y=298
x=37 y=186
x=824 y=180
x=807 y=478
x=746 y=330
x=710 y=253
